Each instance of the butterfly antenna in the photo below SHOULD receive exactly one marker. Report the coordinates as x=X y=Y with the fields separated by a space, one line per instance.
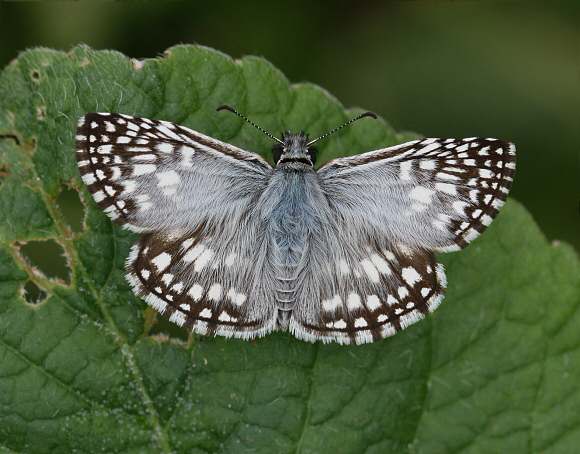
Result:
x=224 y=107
x=366 y=114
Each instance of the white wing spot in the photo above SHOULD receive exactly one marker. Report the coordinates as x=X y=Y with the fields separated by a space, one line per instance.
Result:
x=330 y=305
x=162 y=261
x=203 y=259
x=485 y=173
x=206 y=313
x=370 y=269
x=187 y=244
x=405 y=170
x=164 y=147
x=186 y=156
x=177 y=318
x=427 y=164
x=360 y=323
x=340 y=324
x=116 y=173
x=447 y=176
x=446 y=187
x=236 y=298
x=373 y=302
x=167 y=278
x=230 y=259
x=196 y=291
x=353 y=301
x=185 y=307
x=98 y=196
x=193 y=253
x=459 y=207
x=169 y=178
x=145 y=274
x=410 y=275
x=421 y=194
x=403 y=292
x=215 y=292
x=381 y=264
x=389 y=255
x=142 y=169
x=344 y=268
x=224 y=317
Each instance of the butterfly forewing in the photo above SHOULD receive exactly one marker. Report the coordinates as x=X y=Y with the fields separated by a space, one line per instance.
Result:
x=439 y=194
x=150 y=175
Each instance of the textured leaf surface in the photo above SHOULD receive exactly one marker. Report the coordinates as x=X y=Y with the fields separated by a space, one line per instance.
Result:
x=495 y=369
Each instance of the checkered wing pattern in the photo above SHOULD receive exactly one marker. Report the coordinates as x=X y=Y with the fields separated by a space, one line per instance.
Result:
x=237 y=248
x=150 y=175
x=438 y=194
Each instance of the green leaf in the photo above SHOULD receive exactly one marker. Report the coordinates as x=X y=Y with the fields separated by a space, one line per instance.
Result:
x=495 y=369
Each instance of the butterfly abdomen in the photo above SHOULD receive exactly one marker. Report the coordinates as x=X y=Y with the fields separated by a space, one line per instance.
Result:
x=294 y=198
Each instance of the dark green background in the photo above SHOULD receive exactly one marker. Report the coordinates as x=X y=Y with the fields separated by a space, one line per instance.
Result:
x=507 y=69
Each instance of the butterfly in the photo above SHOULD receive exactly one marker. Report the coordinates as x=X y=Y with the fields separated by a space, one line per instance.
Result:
x=235 y=247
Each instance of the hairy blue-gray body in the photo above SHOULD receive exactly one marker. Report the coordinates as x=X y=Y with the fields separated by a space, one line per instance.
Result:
x=295 y=210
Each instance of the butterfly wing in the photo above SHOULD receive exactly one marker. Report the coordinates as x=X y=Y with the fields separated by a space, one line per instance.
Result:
x=438 y=194
x=210 y=281
x=195 y=197
x=150 y=175
x=371 y=270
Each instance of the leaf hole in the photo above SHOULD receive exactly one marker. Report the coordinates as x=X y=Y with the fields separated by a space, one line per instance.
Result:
x=165 y=328
x=35 y=75
x=33 y=294
x=48 y=258
x=41 y=113
x=71 y=209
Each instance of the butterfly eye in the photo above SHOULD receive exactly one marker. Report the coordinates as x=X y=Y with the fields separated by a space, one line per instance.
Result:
x=312 y=154
x=277 y=151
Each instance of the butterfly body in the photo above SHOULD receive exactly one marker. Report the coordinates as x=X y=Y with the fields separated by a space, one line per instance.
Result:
x=235 y=247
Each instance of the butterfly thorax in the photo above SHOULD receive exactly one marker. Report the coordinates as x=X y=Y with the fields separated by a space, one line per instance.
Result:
x=294 y=152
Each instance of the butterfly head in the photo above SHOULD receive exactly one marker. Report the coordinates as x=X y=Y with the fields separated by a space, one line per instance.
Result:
x=294 y=148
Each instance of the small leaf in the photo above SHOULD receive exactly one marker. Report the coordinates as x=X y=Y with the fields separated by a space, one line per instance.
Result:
x=495 y=369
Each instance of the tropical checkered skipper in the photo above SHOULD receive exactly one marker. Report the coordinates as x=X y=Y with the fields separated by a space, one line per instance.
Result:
x=235 y=247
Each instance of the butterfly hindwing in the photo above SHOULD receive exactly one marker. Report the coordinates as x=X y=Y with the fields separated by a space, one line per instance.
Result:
x=206 y=281
x=364 y=289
